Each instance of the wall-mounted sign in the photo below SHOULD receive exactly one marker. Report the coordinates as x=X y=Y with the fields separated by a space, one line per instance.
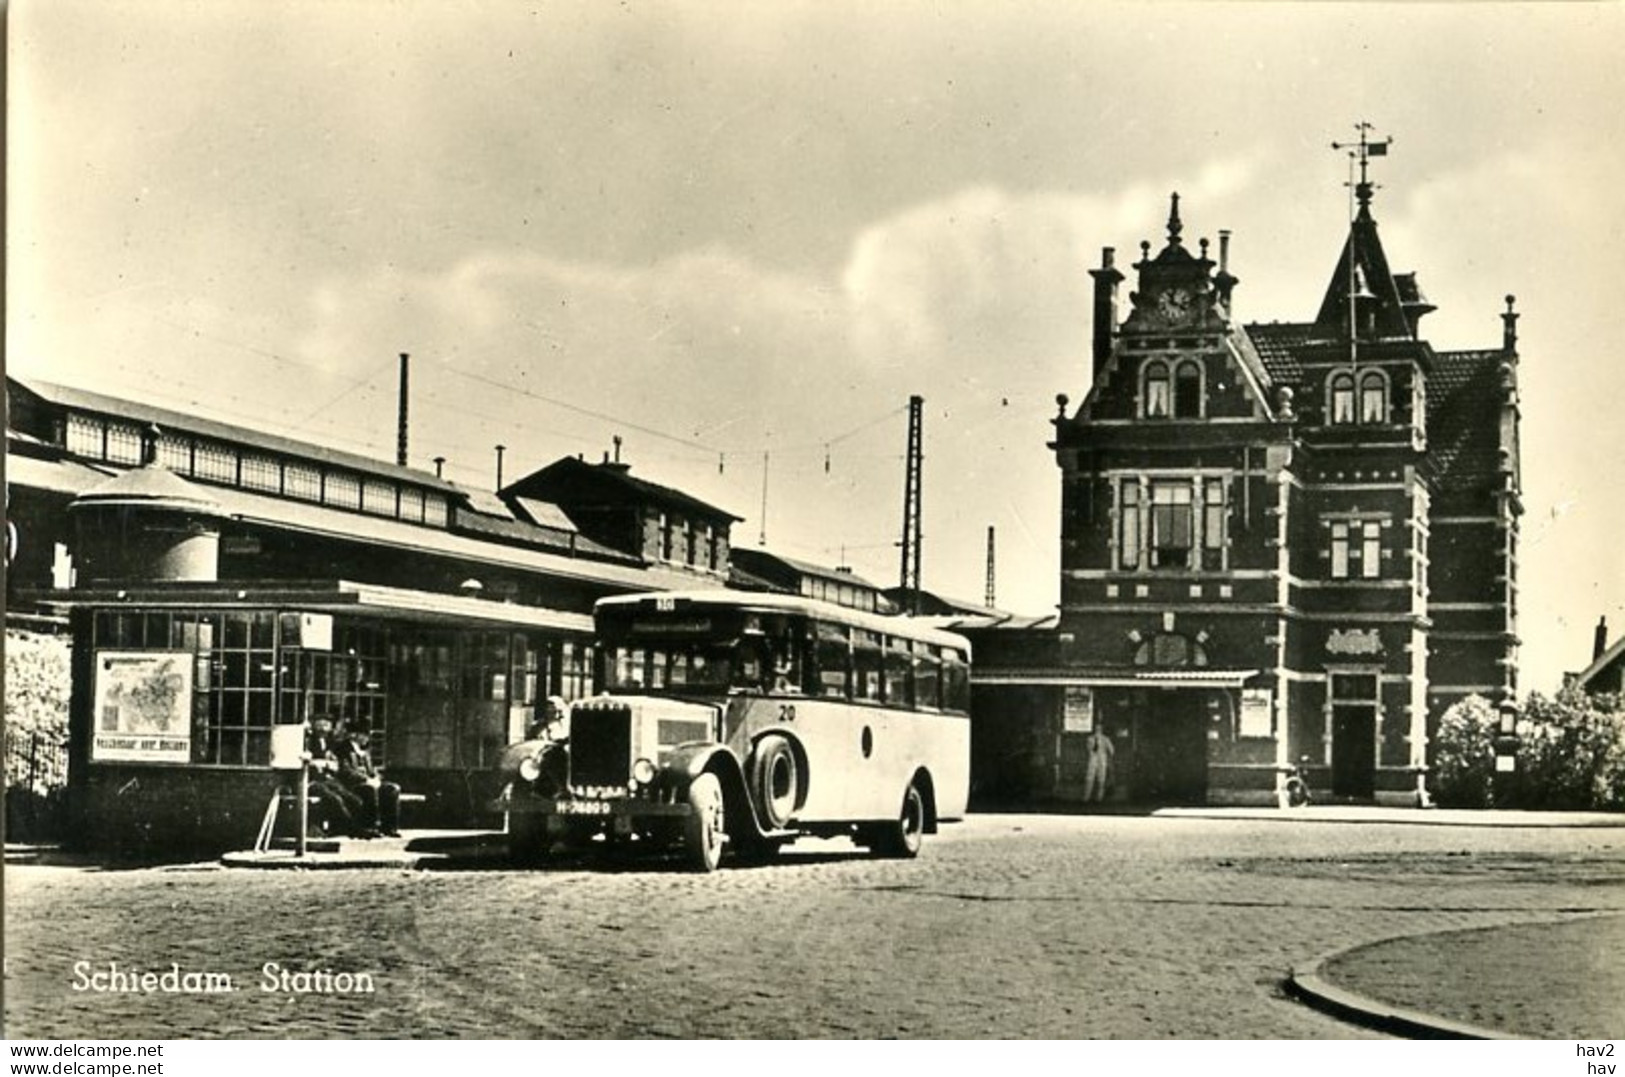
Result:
x=1078 y=710
x=316 y=631
x=143 y=707
x=1255 y=712
x=1361 y=641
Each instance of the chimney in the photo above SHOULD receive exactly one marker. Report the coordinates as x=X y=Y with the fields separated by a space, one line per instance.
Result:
x=500 y=450
x=400 y=425
x=439 y=467
x=1509 y=327
x=1223 y=282
x=1107 y=278
x=1599 y=642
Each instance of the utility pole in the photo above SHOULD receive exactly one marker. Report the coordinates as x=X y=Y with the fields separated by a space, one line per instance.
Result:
x=400 y=414
x=909 y=580
x=989 y=599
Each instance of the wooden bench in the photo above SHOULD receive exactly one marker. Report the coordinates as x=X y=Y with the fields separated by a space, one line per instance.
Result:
x=283 y=797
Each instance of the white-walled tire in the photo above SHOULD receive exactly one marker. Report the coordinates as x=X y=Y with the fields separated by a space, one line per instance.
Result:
x=775 y=780
x=901 y=838
x=703 y=826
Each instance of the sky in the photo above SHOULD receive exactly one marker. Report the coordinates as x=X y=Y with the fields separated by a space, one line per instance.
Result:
x=740 y=236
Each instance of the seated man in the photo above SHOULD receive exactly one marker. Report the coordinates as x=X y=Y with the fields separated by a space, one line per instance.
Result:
x=336 y=806
x=380 y=800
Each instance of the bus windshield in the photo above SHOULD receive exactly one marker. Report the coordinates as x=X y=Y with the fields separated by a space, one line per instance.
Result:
x=705 y=666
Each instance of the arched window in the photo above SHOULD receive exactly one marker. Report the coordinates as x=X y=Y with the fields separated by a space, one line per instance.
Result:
x=1157 y=404
x=1188 y=391
x=1342 y=398
x=1373 y=398
x=1170 y=650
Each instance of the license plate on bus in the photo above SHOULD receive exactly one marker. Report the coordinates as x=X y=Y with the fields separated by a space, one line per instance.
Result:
x=583 y=807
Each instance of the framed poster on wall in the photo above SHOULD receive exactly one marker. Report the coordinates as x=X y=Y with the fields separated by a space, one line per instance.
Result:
x=1078 y=712
x=143 y=707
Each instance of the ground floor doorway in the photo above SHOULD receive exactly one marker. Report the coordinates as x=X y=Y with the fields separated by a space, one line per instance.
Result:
x=1170 y=748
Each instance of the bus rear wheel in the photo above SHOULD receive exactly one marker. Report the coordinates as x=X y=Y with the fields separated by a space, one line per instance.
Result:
x=703 y=826
x=901 y=838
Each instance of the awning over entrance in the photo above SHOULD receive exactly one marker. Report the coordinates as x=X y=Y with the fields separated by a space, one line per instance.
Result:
x=1114 y=678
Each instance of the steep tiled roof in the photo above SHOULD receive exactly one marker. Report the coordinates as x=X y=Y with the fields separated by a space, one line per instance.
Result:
x=1464 y=414
x=570 y=481
x=1277 y=344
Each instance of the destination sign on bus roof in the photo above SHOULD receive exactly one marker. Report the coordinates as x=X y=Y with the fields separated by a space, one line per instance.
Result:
x=693 y=626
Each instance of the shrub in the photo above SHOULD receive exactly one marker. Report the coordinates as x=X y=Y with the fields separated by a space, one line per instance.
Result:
x=1464 y=755
x=1571 y=754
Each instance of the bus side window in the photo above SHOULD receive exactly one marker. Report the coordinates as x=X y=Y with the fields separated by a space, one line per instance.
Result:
x=928 y=676
x=832 y=653
x=748 y=664
x=955 y=682
x=866 y=665
x=899 y=670
x=786 y=655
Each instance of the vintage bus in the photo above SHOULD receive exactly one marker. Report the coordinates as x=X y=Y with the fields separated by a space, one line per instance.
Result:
x=747 y=720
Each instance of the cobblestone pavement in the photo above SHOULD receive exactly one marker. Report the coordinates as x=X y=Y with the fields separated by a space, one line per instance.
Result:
x=1516 y=978
x=1006 y=926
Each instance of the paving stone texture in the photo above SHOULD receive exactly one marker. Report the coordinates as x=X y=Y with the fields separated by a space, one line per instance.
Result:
x=1006 y=926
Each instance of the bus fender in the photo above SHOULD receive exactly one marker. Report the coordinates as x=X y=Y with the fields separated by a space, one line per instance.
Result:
x=688 y=761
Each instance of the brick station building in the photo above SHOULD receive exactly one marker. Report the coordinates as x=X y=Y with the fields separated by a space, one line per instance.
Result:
x=1280 y=543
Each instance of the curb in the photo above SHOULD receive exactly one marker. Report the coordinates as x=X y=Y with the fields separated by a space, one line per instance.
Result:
x=283 y=861
x=1310 y=987
x=1405 y=817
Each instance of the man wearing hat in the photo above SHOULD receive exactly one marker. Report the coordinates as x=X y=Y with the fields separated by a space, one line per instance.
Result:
x=380 y=810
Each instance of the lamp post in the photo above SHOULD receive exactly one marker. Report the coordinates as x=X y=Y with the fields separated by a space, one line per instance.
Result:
x=1506 y=753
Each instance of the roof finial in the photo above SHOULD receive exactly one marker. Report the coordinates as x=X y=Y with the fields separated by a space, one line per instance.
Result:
x=1175 y=226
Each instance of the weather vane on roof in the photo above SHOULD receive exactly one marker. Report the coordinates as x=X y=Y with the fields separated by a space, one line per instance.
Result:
x=1362 y=151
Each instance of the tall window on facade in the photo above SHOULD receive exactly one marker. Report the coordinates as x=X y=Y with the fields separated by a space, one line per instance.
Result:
x=710 y=546
x=1213 y=519
x=1172 y=528
x=1188 y=391
x=690 y=543
x=665 y=537
x=1373 y=398
x=1370 y=549
x=1129 y=524
x=1358 y=542
x=1342 y=398
x=1157 y=390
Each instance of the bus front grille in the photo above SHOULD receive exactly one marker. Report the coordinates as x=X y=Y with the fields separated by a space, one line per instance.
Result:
x=600 y=745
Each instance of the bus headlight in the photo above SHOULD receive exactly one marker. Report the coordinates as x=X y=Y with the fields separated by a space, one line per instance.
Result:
x=531 y=768
x=643 y=772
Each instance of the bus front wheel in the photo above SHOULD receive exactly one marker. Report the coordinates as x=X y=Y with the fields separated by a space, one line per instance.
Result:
x=901 y=838
x=702 y=827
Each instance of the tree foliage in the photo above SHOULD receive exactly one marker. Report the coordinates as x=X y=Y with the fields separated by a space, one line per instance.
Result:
x=1571 y=754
